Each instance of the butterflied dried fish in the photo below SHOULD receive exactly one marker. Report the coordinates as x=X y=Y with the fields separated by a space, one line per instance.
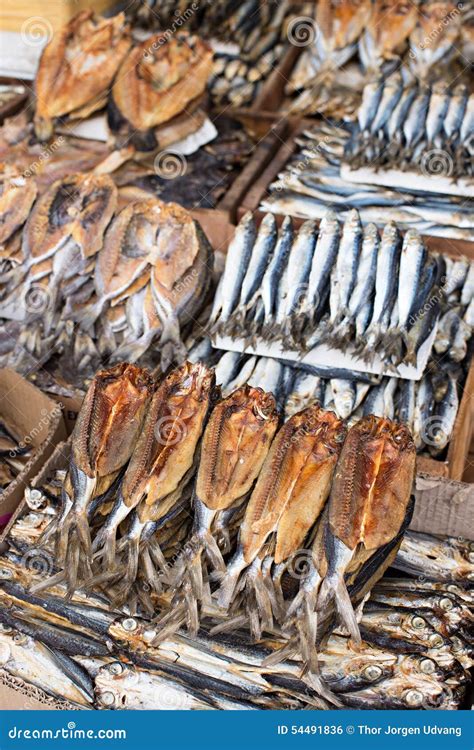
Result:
x=282 y=485
x=156 y=82
x=163 y=458
x=77 y=68
x=104 y=437
x=367 y=506
x=234 y=447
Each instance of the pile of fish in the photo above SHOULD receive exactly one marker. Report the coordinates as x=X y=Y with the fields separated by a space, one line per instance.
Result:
x=408 y=125
x=14 y=454
x=311 y=182
x=87 y=281
x=351 y=40
x=429 y=407
x=92 y=63
x=235 y=555
x=343 y=286
x=248 y=39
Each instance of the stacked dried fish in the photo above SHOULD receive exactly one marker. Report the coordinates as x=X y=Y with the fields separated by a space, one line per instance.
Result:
x=147 y=87
x=311 y=182
x=345 y=287
x=411 y=126
x=128 y=277
x=417 y=633
x=248 y=39
x=352 y=41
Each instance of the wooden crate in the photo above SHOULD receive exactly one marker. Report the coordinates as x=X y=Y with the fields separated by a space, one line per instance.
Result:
x=18 y=15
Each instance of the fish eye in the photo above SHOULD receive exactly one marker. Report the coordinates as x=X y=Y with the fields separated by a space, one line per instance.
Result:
x=115 y=668
x=19 y=638
x=418 y=622
x=436 y=640
x=129 y=624
x=413 y=698
x=372 y=672
x=107 y=698
x=427 y=666
x=446 y=604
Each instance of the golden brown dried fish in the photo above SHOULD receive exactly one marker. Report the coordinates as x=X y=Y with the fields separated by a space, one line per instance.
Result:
x=78 y=66
x=235 y=444
x=157 y=80
x=104 y=437
x=15 y=205
x=163 y=456
x=368 y=503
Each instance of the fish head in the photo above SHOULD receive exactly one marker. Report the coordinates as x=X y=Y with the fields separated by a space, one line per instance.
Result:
x=235 y=444
x=110 y=419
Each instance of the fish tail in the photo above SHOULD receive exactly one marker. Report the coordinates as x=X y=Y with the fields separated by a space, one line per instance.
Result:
x=132 y=556
x=255 y=624
x=150 y=573
x=62 y=540
x=229 y=625
x=47 y=583
x=84 y=534
x=307 y=626
x=195 y=576
x=281 y=654
x=192 y=611
x=214 y=554
x=72 y=565
x=227 y=590
x=263 y=599
x=334 y=589
x=157 y=557
x=315 y=681
x=86 y=318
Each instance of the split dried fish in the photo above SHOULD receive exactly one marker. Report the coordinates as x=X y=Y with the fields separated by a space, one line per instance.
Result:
x=77 y=68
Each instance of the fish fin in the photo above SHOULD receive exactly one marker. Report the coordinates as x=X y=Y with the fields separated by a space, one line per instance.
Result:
x=288 y=651
x=334 y=589
x=228 y=625
x=229 y=583
x=47 y=583
x=214 y=554
x=192 y=611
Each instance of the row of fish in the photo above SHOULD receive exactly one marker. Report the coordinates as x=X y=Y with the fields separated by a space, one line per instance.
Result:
x=417 y=637
x=311 y=182
x=404 y=125
x=92 y=63
x=350 y=41
x=257 y=496
x=429 y=407
x=85 y=279
x=343 y=286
